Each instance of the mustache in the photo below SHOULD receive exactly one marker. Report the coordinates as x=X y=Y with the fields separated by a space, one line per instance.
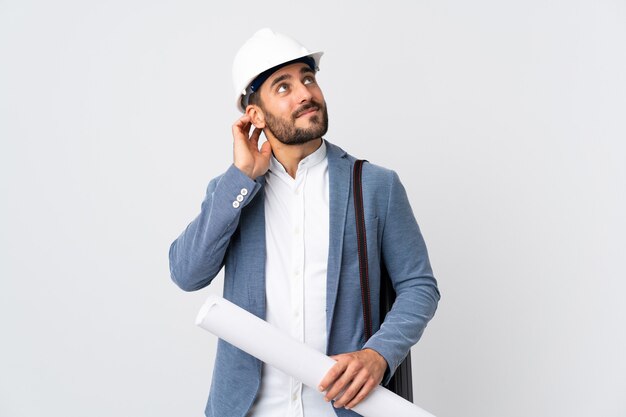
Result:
x=304 y=108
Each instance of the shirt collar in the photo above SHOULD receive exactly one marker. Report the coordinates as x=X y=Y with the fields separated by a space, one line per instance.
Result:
x=311 y=160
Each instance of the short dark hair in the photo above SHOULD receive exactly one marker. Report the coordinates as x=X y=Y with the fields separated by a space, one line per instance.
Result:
x=255 y=98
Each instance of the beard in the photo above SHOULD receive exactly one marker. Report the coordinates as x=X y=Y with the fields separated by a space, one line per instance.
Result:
x=286 y=132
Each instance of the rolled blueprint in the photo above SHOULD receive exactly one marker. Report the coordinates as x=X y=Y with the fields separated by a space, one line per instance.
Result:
x=265 y=342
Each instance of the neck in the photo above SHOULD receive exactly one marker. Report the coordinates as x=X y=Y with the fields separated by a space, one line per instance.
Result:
x=290 y=156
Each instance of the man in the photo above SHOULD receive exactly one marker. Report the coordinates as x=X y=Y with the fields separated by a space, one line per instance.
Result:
x=281 y=222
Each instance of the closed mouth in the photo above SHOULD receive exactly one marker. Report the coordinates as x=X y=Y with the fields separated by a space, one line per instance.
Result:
x=307 y=111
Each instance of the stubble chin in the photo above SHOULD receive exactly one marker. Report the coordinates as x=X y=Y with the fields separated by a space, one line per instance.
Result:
x=288 y=134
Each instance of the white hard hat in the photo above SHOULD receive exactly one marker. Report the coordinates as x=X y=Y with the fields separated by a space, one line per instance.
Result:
x=263 y=51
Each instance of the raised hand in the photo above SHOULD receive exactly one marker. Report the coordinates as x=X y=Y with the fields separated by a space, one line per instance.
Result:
x=246 y=154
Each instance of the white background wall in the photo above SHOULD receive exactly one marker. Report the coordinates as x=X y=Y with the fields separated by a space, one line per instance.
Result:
x=505 y=120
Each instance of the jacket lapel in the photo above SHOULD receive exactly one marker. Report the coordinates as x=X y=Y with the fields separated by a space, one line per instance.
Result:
x=339 y=173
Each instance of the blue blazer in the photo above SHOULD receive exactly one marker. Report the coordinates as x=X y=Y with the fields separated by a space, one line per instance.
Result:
x=233 y=236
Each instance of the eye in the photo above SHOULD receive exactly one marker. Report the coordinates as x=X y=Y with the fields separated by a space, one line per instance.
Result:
x=308 y=80
x=282 y=88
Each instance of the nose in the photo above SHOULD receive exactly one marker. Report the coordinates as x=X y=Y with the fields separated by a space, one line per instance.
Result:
x=303 y=93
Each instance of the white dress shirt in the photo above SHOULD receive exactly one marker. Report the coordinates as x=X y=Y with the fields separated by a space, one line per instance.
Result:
x=296 y=227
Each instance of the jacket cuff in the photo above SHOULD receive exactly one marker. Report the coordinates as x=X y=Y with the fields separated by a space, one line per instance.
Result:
x=237 y=188
x=386 y=353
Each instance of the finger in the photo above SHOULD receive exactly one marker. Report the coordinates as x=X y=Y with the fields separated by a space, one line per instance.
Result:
x=333 y=373
x=254 y=138
x=342 y=383
x=241 y=121
x=238 y=134
x=266 y=149
x=245 y=130
x=244 y=119
x=241 y=126
x=353 y=389
x=362 y=394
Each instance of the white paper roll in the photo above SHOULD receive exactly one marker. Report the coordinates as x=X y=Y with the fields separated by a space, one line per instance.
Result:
x=265 y=342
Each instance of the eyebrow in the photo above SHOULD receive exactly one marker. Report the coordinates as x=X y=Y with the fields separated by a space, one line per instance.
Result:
x=279 y=79
x=304 y=70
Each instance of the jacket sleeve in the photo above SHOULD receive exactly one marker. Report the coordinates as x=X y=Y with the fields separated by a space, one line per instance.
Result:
x=197 y=255
x=406 y=259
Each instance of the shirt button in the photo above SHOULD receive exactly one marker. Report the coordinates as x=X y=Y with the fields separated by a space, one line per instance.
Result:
x=244 y=191
x=236 y=204
x=294 y=397
x=240 y=198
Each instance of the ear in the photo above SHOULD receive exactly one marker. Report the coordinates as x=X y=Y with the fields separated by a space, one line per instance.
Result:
x=256 y=116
